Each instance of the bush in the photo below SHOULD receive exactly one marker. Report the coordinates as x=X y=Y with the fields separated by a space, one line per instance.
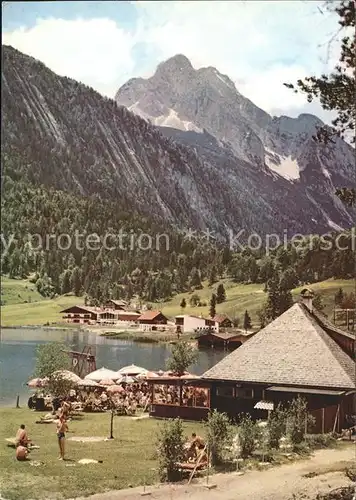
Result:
x=276 y=427
x=170 y=443
x=249 y=433
x=317 y=441
x=219 y=435
x=301 y=449
x=298 y=420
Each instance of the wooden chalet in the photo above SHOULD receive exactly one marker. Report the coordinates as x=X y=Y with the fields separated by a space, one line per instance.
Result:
x=223 y=321
x=222 y=340
x=117 y=305
x=81 y=314
x=152 y=320
x=298 y=353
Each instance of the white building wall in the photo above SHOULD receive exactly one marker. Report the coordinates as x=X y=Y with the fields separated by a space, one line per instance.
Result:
x=192 y=323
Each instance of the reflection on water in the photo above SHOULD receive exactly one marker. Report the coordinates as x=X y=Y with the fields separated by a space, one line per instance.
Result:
x=18 y=356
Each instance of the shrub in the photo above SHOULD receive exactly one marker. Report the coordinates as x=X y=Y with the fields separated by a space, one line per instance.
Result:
x=219 y=435
x=249 y=433
x=317 y=441
x=297 y=420
x=170 y=443
x=276 y=427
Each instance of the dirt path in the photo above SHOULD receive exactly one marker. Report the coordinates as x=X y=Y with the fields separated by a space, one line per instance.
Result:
x=278 y=483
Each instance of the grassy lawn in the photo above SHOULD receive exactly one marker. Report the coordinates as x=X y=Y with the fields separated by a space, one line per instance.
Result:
x=251 y=297
x=17 y=311
x=18 y=292
x=127 y=460
x=37 y=313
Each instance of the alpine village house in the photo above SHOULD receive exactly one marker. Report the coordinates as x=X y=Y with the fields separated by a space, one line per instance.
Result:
x=299 y=353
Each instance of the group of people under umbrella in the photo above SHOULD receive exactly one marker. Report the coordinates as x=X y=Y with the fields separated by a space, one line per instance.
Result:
x=126 y=390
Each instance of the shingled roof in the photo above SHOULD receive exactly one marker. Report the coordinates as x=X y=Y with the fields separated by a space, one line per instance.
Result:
x=292 y=350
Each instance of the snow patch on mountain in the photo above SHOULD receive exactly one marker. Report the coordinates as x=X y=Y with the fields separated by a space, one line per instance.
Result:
x=285 y=166
x=173 y=120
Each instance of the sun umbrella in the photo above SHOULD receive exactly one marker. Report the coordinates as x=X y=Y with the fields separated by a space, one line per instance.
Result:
x=107 y=381
x=37 y=382
x=143 y=376
x=113 y=389
x=68 y=375
x=126 y=379
x=102 y=374
x=131 y=370
x=88 y=383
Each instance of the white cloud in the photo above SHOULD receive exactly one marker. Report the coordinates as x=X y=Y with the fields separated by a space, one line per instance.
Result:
x=259 y=44
x=95 y=51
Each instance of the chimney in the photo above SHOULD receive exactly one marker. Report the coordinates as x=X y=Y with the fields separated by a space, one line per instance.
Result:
x=306 y=298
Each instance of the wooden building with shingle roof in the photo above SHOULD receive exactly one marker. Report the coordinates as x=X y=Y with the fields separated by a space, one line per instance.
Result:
x=298 y=353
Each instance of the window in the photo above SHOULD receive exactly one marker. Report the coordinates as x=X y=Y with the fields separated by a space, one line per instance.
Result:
x=244 y=393
x=196 y=397
x=165 y=394
x=225 y=391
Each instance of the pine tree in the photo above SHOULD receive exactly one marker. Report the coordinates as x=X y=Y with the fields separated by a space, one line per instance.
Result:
x=220 y=294
x=272 y=306
x=279 y=298
x=183 y=304
x=76 y=281
x=318 y=303
x=66 y=282
x=212 y=310
x=336 y=91
x=339 y=296
x=195 y=280
x=212 y=276
x=247 y=321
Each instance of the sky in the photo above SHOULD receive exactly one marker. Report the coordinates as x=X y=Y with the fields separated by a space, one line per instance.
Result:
x=258 y=44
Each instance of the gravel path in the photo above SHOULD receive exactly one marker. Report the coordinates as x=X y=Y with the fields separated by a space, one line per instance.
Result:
x=286 y=482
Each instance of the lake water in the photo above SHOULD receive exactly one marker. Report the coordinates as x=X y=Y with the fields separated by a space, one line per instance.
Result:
x=18 y=356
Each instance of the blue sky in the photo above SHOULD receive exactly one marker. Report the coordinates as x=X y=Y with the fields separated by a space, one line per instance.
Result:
x=258 y=44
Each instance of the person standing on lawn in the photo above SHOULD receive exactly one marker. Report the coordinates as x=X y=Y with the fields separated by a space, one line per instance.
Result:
x=62 y=428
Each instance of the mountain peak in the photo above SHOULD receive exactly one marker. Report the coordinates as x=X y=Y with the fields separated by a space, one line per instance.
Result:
x=177 y=63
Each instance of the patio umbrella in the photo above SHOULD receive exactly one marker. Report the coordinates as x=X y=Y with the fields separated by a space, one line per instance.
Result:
x=101 y=374
x=88 y=383
x=115 y=389
x=131 y=370
x=143 y=376
x=126 y=379
x=36 y=382
x=107 y=381
x=68 y=375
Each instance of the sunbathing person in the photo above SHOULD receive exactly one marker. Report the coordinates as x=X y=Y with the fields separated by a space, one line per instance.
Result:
x=22 y=438
x=197 y=442
x=21 y=453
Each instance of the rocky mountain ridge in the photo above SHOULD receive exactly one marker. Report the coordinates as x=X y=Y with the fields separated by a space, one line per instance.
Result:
x=179 y=97
x=70 y=137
